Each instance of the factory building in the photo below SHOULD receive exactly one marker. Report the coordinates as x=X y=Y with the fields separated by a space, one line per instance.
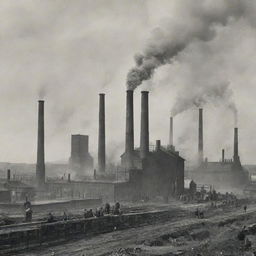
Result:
x=80 y=162
x=226 y=174
x=15 y=191
x=153 y=173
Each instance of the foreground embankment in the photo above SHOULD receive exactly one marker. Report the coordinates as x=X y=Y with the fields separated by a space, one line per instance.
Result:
x=30 y=235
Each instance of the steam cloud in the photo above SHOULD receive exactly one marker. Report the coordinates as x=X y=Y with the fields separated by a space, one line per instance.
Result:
x=172 y=38
x=211 y=93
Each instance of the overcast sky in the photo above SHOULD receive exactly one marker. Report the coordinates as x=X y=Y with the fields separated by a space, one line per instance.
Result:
x=67 y=52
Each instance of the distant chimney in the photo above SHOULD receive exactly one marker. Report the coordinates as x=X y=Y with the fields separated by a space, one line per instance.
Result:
x=158 y=145
x=200 y=137
x=8 y=175
x=223 y=155
x=144 y=133
x=171 y=132
x=236 y=156
x=129 y=133
x=40 y=166
x=101 y=139
x=69 y=177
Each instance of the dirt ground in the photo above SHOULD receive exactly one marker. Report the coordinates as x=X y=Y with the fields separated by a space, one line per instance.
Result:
x=216 y=234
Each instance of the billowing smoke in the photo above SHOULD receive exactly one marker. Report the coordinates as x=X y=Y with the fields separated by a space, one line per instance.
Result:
x=174 y=36
x=216 y=94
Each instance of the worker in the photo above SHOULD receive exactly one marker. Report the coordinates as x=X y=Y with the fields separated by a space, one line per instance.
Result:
x=245 y=208
x=117 y=210
x=197 y=213
x=50 y=218
x=107 y=208
x=65 y=216
x=85 y=213
x=90 y=214
x=27 y=204
x=97 y=212
x=28 y=214
x=101 y=211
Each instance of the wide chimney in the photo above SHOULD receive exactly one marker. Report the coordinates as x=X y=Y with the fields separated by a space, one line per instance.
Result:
x=101 y=139
x=129 y=133
x=171 y=132
x=236 y=156
x=200 y=137
x=40 y=165
x=144 y=133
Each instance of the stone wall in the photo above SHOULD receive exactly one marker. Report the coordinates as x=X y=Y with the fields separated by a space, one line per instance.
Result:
x=49 y=233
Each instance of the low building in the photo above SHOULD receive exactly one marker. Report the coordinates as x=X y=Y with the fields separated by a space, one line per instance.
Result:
x=159 y=174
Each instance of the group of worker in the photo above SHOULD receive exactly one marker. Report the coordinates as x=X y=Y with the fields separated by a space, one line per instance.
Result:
x=106 y=210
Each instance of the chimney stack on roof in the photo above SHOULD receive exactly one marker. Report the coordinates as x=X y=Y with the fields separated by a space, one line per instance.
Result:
x=129 y=132
x=144 y=127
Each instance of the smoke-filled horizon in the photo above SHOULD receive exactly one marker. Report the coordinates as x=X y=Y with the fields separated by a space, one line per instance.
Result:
x=193 y=53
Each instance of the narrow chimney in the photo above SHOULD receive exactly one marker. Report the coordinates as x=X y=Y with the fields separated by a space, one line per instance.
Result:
x=101 y=141
x=8 y=175
x=171 y=132
x=223 y=155
x=144 y=133
x=40 y=166
x=236 y=156
x=158 y=145
x=200 y=137
x=129 y=133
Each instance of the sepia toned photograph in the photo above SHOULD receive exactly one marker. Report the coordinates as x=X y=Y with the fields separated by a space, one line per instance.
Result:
x=127 y=128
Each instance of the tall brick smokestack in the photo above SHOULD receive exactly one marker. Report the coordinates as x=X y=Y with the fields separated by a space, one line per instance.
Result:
x=129 y=133
x=236 y=156
x=171 y=132
x=223 y=156
x=200 y=137
x=144 y=133
x=40 y=165
x=101 y=139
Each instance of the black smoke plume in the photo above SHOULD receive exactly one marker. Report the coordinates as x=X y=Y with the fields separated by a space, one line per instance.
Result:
x=173 y=37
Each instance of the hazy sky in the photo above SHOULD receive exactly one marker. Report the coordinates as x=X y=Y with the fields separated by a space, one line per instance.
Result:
x=69 y=51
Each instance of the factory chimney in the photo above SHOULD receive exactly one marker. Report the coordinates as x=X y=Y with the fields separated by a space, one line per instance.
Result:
x=236 y=156
x=40 y=165
x=101 y=139
x=144 y=133
x=171 y=132
x=8 y=175
x=129 y=133
x=223 y=155
x=200 y=137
